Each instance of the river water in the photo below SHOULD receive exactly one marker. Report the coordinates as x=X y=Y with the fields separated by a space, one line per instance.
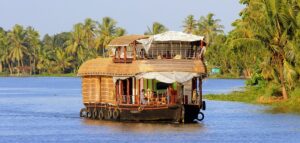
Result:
x=37 y=110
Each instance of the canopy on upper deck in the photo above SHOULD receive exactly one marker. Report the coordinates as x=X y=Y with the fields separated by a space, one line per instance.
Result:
x=169 y=36
x=176 y=36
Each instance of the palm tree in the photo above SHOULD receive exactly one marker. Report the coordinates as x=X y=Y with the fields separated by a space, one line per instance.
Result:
x=189 y=24
x=4 y=44
x=209 y=27
x=62 y=60
x=33 y=44
x=156 y=28
x=89 y=28
x=120 y=32
x=18 y=49
x=76 y=44
x=107 y=32
x=46 y=55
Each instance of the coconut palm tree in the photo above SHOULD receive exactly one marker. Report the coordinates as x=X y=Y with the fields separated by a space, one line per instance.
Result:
x=156 y=28
x=209 y=27
x=33 y=43
x=62 y=60
x=76 y=44
x=107 y=32
x=4 y=51
x=89 y=29
x=189 y=24
x=120 y=32
x=17 y=47
x=46 y=55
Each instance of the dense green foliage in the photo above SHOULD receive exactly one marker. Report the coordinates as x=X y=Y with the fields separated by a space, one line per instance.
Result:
x=23 y=52
x=264 y=46
x=267 y=95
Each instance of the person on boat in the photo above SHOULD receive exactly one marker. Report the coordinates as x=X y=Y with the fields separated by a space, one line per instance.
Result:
x=194 y=97
x=170 y=92
x=159 y=56
x=143 y=54
x=149 y=95
x=202 y=51
x=143 y=101
x=168 y=55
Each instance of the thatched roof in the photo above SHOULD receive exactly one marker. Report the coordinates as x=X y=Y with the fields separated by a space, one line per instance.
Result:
x=105 y=66
x=125 y=40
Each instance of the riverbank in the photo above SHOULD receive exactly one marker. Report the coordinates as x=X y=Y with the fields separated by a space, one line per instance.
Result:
x=225 y=76
x=261 y=96
x=39 y=75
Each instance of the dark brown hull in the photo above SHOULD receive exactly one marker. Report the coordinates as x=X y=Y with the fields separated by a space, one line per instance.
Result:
x=171 y=113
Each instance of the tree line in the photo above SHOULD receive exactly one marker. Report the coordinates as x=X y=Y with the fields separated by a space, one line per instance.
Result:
x=23 y=51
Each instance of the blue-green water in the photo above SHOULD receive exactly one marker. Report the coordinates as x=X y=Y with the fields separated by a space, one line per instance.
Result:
x=37 y=110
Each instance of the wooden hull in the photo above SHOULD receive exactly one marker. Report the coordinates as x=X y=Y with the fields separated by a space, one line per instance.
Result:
x=172 y=113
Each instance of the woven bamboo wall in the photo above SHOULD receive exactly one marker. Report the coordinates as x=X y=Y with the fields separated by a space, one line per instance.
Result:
x=107 y=90
x=91 y=89
x=96 y=89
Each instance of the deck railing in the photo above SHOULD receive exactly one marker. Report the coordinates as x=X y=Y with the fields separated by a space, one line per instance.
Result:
x=158 y=54
x=158 y=98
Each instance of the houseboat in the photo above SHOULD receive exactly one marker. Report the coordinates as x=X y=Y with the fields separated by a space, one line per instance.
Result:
x=146 y=78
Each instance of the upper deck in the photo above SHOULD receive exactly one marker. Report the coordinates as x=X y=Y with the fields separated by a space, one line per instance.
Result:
x=133 y=54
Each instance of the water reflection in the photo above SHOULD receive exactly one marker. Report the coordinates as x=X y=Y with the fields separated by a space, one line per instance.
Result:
x=146 y=127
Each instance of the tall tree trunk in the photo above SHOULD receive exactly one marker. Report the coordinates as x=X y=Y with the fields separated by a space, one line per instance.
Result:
x=22 y=65
x=18 y=68
x=30 y=65
x=10 y=68
x=282 y=81
x=1 y=67
x=34 y=61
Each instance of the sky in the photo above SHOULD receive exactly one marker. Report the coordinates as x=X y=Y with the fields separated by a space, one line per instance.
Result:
x=55 y=16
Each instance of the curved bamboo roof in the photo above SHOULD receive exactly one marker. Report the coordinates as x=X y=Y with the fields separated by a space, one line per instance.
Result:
x=125 y=40
x=106 y=67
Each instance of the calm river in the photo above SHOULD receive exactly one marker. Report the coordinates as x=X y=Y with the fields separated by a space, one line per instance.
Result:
x=37 y=110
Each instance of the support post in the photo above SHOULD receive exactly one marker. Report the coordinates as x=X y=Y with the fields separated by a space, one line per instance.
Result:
x=119 y=52
x=200 y=91
x=128 y=99
x=117 y=91
x=138 y=101
x=122 y=92
x=133 y=90
x=125 y=53
x=201 y=48
x=100 y=90
x=134 y=50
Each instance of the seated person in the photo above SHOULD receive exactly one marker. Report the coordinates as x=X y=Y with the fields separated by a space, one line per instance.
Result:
x=177 y=57
x=167 y=55
x=159 y=57
x=143 y=54
x=143 y=97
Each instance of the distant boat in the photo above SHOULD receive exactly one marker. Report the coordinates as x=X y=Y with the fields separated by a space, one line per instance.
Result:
x=146 y=78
